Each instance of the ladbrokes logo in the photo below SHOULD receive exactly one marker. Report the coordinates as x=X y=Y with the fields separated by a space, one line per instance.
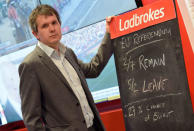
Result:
x=144 y=18
x=158 y=12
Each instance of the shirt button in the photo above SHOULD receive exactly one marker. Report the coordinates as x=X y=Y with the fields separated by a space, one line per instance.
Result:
x=77 y=104
x=84 y=121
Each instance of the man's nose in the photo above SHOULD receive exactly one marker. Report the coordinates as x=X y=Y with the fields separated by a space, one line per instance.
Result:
x=51 y=28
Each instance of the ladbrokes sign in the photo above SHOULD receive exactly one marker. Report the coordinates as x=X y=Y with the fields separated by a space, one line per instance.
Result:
x=140 y=18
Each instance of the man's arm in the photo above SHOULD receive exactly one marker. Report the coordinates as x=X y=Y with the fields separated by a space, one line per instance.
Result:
x=99 y=61
x=30 y=98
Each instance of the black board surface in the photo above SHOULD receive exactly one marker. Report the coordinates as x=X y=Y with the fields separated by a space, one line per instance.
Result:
x=152 y=79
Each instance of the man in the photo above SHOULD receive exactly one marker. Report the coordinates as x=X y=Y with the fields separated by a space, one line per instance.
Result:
x=54 y=93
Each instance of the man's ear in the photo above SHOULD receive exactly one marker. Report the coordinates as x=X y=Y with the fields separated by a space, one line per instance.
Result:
x=35 y=34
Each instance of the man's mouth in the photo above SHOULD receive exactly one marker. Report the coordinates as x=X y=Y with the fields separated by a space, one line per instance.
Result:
x=53 y=35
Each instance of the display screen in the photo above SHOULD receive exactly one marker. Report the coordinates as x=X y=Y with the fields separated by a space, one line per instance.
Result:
x=77 y=14
x=84 y=38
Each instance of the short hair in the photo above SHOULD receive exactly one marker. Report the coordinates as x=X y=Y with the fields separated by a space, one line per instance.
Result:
x=41 y=10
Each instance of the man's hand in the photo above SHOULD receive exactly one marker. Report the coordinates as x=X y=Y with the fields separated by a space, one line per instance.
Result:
x=108 y=20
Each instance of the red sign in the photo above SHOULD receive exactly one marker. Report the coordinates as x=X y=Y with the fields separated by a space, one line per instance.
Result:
x=158 y=12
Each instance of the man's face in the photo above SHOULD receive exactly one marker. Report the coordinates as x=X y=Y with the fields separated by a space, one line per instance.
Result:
x=49 y=30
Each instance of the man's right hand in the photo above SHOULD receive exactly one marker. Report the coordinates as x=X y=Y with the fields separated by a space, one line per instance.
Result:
x=108 y=21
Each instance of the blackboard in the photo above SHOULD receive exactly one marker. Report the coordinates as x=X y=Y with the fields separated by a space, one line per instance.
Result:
x=152 y=79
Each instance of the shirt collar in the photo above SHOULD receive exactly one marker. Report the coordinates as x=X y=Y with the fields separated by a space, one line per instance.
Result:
x=49 y=51
x=62 y=48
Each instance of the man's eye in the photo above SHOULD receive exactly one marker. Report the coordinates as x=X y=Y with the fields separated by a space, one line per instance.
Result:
x=44 y=26
x=54 y=22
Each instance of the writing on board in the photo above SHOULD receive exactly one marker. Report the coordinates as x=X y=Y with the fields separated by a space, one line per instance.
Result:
x=138 y=41
x=137 y=20
x=147 y=86
x=152 y=112
x=143 y=62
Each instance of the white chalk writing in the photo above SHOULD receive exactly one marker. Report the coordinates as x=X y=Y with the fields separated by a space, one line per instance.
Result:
x=154 y=85
x=145 y=63
x=128 y=64
x=138 y=38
